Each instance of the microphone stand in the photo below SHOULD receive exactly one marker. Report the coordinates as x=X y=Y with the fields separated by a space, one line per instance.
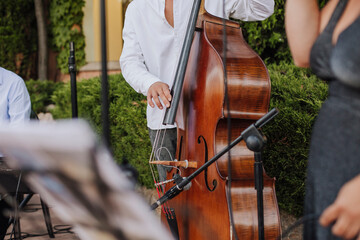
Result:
x=255 y=142
x=72 y=71
x=247 y=134
x=105 y=116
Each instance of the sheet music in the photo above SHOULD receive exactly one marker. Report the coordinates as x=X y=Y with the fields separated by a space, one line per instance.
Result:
x=64 y=162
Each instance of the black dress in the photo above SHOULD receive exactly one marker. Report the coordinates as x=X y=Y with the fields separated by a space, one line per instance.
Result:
x=334 y=156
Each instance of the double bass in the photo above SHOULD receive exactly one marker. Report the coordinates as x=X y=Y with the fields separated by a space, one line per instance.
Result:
x=218 y=86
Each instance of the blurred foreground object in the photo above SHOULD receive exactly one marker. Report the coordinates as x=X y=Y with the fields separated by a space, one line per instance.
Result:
x=64 y=162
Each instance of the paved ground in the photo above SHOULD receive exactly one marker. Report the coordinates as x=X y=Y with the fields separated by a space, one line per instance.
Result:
x=33 y=225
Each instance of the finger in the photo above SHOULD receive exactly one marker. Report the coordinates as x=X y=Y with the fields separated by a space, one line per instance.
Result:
x=329 y=215
x=164 y=99
x=157 y=101
x=150 y=102
x=340 y=226
x=351 y=231
x=167 y=93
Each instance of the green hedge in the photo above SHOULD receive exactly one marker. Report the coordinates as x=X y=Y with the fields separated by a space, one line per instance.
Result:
x=129 y=135
x=298 y=95
x=41 y=92
x=295 y=92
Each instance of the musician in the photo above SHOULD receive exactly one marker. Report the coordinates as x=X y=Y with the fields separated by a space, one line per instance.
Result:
x=153 y=35
x=15 y=105
x=15 y=108
x=327 y=40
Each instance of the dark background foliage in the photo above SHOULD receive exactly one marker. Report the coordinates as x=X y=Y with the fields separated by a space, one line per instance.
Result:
x=268 y=37
x=18 y=34
x=18 y=37
x=65 y=26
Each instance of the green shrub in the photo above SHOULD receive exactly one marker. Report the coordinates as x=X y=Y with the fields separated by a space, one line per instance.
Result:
x=298 y=95
x=129 y=135
x=268 y=37
x=40 y=93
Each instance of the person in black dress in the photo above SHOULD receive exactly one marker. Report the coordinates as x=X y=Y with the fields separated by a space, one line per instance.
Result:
x=328 y=41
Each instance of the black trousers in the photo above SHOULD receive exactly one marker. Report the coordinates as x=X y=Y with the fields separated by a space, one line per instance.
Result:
x=9 y=181
x=4 y=217
x=165 y=148
x=4 y=220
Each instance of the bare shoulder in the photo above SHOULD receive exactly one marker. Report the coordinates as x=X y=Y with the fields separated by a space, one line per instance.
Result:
x=351 y=13
x=326 y=13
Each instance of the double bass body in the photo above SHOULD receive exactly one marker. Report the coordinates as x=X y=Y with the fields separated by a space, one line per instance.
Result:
x=202 y=119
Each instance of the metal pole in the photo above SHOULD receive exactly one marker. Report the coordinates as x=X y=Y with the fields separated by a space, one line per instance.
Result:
x=170 y=113
x=104 y=80
x=72 y=71
x=259 y=186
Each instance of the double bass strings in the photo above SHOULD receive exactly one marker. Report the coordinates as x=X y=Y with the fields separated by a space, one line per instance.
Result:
x=152 y=167
x=158 y=146
x=226 y=96
x=153 y=155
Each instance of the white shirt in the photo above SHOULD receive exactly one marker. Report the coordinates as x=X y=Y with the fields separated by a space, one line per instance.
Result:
x=152 y=46
x=15 y=105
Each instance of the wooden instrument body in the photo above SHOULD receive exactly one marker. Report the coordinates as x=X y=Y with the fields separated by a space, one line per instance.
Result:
x=202 y=211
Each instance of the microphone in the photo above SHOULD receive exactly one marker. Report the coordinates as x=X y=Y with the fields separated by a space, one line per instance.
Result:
x=171 y=193
x=177 y=179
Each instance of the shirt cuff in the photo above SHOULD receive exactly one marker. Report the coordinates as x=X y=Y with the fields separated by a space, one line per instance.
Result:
x=148 y=83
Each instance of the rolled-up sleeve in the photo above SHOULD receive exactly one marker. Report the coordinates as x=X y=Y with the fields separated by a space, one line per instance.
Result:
x=132 y=61
x=250 y=10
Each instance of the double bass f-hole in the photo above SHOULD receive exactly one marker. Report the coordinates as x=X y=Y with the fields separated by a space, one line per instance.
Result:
x=214 y=182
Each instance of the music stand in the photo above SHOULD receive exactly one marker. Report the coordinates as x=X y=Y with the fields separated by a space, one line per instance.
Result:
x=64 y=162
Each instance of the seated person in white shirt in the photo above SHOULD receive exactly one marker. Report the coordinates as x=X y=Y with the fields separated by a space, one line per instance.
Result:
x=153 y=35
x=15 y=108
x=15 y=105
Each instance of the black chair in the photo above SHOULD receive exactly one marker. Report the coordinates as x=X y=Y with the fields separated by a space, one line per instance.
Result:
x=12 y=185
x=16 y=189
